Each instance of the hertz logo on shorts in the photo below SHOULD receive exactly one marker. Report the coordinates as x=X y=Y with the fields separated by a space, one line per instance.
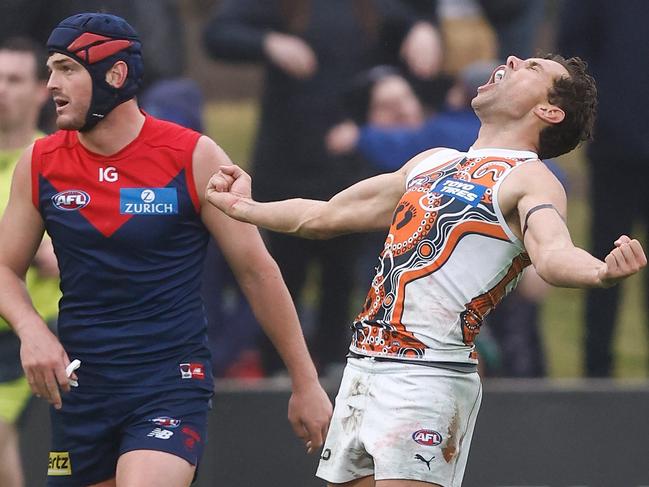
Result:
x=59 y=463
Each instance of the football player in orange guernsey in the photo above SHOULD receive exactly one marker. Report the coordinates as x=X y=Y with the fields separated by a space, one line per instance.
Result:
x=462 y=227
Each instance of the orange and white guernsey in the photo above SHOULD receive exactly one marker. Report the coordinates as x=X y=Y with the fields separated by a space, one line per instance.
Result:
x=448 y=259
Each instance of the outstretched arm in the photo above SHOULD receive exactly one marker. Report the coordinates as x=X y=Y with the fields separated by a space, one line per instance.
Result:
x=541 y=206
x=261 y=281
x=21 y=229
x=365 y=206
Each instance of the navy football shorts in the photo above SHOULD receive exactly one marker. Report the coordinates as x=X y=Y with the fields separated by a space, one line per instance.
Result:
x=92 y=430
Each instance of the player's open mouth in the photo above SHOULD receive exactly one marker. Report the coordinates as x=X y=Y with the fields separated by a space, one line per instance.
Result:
x=496 y=77
x=60 y=103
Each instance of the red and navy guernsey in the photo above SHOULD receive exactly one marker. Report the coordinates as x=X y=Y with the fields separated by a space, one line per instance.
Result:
x=130 y=244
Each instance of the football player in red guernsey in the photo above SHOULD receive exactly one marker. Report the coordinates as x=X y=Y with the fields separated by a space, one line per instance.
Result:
x=122 y=196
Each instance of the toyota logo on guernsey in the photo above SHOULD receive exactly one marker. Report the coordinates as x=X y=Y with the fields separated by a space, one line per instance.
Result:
x=71 y=200
x=148 y=201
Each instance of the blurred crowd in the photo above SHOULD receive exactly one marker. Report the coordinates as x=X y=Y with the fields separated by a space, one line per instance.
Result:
x=352 y=88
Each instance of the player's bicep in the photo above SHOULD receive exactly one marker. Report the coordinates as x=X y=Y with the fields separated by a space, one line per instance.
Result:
x=21 y=226
x=542 y=215
x=365 y=206
x=240 y=243
x=207 y=158
x=369 y=205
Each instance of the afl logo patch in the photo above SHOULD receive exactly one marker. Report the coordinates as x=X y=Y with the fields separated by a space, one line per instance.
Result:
x=165 y=421
x=427 y=437
x=71 y=200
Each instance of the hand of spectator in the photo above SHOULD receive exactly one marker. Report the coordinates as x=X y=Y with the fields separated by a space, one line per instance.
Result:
x=291 y=54
x=624 y=260
x=309 y=411
x=44 y=361
x=228 y=187
x=422 y=51
x=342 y=138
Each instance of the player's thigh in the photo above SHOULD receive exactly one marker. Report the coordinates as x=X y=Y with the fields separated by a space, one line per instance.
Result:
x=370 y=482
x=10 y=466
x=150 y=468
x=404 y=483
x=107 y=483
x=362 y=482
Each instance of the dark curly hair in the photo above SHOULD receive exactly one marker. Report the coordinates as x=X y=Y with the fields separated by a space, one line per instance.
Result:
x=576 y=95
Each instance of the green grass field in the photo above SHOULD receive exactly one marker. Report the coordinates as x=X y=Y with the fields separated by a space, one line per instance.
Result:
x=232 y=125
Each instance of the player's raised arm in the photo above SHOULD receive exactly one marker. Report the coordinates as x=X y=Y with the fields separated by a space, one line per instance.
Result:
x=261 y=281
x=21 y=230
x=365 y=206
x=541 y=208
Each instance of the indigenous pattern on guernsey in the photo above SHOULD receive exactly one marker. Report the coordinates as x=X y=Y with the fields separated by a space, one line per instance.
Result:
x=448 y=259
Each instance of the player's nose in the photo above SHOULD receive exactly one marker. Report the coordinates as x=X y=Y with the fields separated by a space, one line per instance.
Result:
x=513 y=62
x=52 y=82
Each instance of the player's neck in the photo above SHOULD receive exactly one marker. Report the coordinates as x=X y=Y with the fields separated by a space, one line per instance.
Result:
x=17 y=137
x=120 y=127
x=512 y=136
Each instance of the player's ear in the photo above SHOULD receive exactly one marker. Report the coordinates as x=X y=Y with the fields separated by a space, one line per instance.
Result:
x=116 y=74
x=551 y=114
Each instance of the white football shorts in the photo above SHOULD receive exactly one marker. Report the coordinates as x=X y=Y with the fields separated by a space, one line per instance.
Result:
x=398 y=420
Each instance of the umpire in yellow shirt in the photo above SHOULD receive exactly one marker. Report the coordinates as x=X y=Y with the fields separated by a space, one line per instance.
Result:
x=23 y=92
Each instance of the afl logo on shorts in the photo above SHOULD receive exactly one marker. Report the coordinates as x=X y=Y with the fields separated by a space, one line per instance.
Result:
x=166 y=422
x=71 y=200
x=427 y=437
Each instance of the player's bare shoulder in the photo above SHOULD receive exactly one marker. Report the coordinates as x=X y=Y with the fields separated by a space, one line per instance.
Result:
x=23 y=173
x=209 y=152
x=531 y=179
x=529 y=185
x=408 y=167
x=207 y=158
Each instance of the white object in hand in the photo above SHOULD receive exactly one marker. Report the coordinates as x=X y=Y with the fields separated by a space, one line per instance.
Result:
x=72 y=366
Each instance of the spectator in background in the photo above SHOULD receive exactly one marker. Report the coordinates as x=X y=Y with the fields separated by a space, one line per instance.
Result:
x=22 y=95
x=388 y=125
x=159 y=23
x=311 y=50
x=175 y=100
x=22 y=18
x=614 y=40
x=515 y=23
x=232 y=329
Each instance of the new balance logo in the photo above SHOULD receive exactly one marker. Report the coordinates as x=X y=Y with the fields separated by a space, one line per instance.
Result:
x=161 y=434
x=427 y=462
